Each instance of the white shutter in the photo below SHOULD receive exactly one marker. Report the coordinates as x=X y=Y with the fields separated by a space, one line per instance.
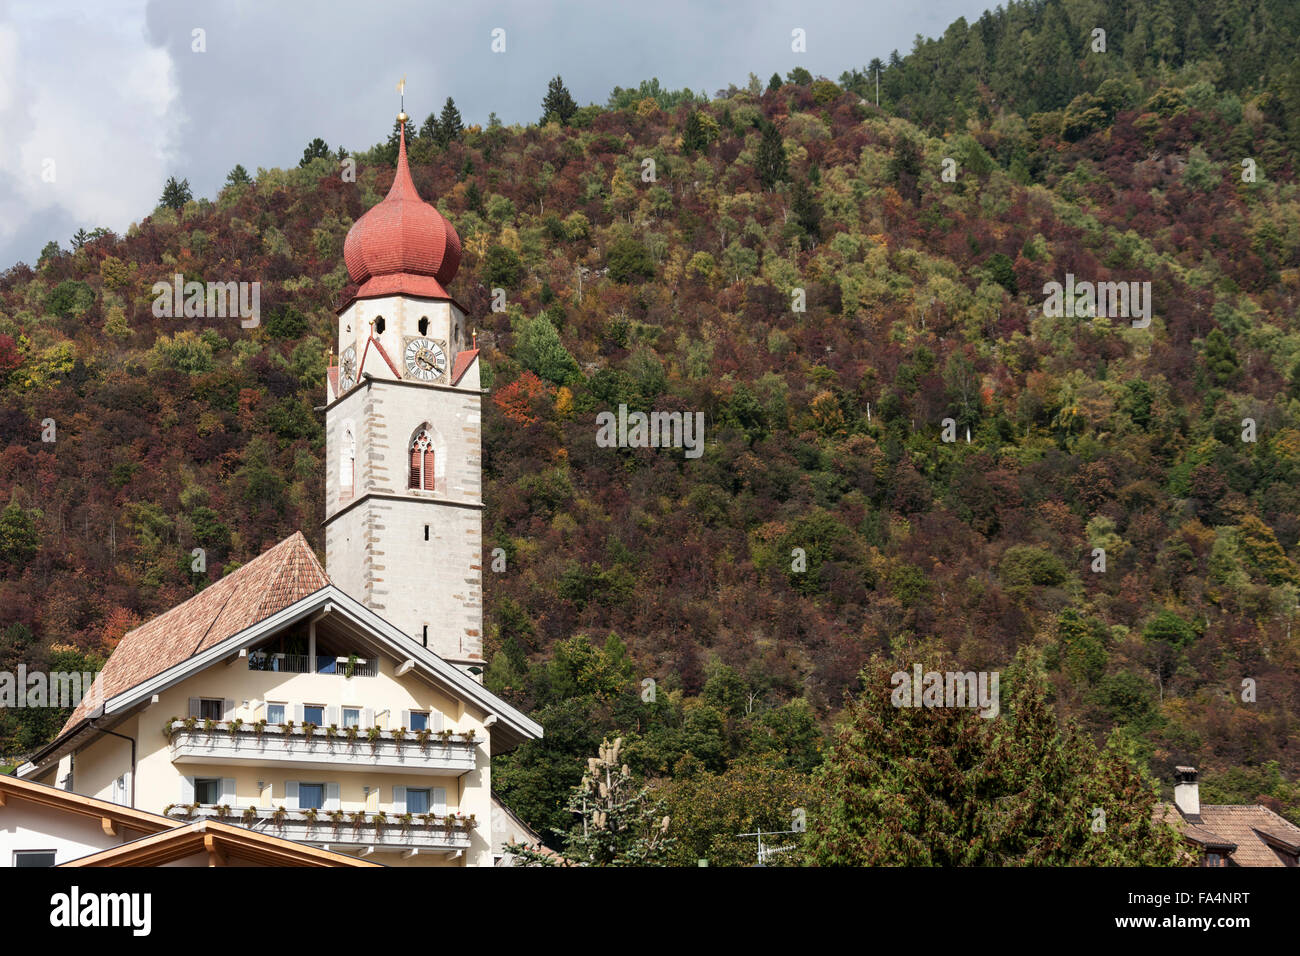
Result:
x=332 y=796
x=295 y=714
x=331 y=716
x=435 y=720
x=194 y=707
x=367 y=718
x=228 y=791
x=291 y=795
x=406 y=720
x=227 y=709
x=187 y=790
x=399 y=799
x=438 y=799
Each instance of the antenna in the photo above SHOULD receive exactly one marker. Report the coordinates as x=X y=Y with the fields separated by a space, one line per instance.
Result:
x=765 y=851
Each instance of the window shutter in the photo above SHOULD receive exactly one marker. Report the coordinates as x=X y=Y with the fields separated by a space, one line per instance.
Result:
x=331 y=716
x=295 y=714
x=435 y=720
x=399 y=799
x=228 y=791
x=291 y=794
x=332 y=796
x=428 y=469
x=438 y=799
x=194 y=707
x=187 y=790
x=227 y=709
x=406 y=719
x=367 y=718
x=414 y=481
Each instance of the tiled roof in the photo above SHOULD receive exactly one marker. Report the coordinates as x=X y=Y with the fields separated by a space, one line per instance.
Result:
x=463 y=361
x=1250 y=828
x=269 y=583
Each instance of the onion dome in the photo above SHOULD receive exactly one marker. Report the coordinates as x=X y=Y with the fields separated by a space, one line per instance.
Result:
x=403 y=244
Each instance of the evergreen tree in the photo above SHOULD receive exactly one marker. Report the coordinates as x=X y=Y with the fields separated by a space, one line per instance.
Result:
x=695 y=138
x=943 y=786
x=558 y=105
x=450 y=126
x=807 y=212
x=176 y=194
x=770 y=163
x=774 y=83
x=393 y=146
x=19 y=539
x=80 y=238
x=429 y=129
x=238 y=176
x=1220 y=358
x=316 y=149
x=622 y=824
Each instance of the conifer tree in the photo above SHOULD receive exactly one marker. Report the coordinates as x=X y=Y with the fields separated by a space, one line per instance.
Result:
x=558 y=105
x=770 y=163
x=316 y=149
x=450 y=126
x=238 y=176
x=176 y=194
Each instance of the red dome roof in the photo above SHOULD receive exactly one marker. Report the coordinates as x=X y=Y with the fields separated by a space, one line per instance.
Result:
x=402 y=237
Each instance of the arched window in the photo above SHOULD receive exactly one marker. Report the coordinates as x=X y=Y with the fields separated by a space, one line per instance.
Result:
x=347 y=460
x=379 y=325
x=424 y=325
x=421 y=462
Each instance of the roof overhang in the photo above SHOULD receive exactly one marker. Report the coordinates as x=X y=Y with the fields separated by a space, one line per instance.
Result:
x=511 y=728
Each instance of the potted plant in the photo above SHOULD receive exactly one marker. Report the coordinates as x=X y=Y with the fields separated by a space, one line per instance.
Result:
x=167 y=810
x=350 y=667
x=310 y=816
x=279 y=815
x=446 y=734
x=169 y=729
x=399 y=734
x=223 y=811
x=287 y=727
x=467 y=736
x=331 y=731
x=379 y=821
x=404 y=821
x=259 y=726
x=429 y=819
x=234 y=726
x=374 y=735
x=353 y=732
x=337 y=817
x=209 y=725
x=423 y=737
x=190 y=722
x=358 y=819
x=249 y=816
x=308 y=729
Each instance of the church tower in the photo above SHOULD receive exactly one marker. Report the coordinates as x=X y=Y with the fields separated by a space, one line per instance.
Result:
x=403 y=507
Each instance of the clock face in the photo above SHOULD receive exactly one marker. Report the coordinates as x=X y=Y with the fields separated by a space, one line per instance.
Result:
x=425 y=359
x=347 y=369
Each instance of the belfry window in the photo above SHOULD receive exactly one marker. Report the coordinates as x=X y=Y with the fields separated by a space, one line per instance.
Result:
x=424 y=326
x=379 y=325
x=421 y=462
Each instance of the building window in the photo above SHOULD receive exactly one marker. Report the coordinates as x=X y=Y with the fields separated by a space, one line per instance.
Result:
x=419 y=720
x=424 y=326
x=1214 y=859
x=379 y=325
x=417 y=801
x=34 y=857
x=421 y=476
x=211 y=708
x=313 y=714
x=207 y=791
x=274 y=713
x=311 y=796
x=351 y=717
x=426 y=532
x=348 y=459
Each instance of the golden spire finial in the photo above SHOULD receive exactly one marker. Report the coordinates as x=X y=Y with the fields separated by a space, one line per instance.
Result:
x=401 y=89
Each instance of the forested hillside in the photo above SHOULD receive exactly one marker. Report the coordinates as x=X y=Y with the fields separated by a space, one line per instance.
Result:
x=794 y=264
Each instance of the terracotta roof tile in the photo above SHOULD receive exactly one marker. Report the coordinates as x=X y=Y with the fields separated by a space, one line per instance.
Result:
x=269 y=583
x=1245 y=826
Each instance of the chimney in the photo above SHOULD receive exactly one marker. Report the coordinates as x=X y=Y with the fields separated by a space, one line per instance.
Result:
x=1187 y=794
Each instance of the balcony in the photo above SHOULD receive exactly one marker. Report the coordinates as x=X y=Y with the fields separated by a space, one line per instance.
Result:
x=444 y=754
x=346 y=829
x=351 y=666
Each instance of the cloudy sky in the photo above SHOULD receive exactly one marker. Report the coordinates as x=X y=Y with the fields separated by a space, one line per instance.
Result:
x=98 y=106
